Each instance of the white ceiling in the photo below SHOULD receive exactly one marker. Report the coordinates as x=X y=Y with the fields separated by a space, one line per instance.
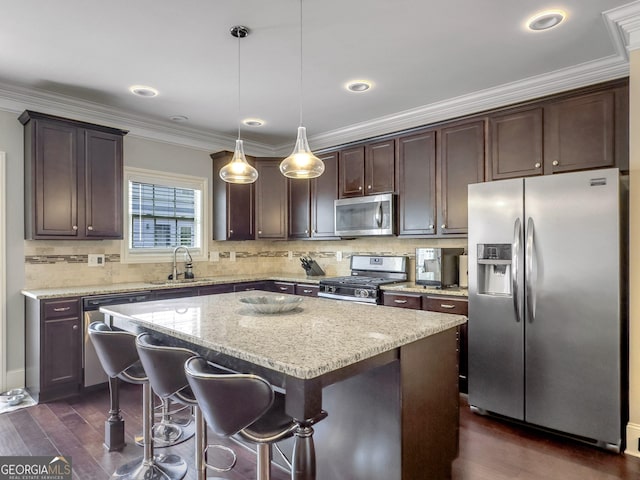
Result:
x=428 y=60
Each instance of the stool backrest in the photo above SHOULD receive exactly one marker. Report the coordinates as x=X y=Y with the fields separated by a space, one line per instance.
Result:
x=229 y=402
x=116 y=349
x=164 y=365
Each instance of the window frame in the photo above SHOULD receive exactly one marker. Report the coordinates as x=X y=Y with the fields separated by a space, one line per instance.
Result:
x=163 y=255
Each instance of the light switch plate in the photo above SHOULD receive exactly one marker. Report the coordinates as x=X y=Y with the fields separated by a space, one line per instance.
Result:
x=232 y=256
x=95 y=259
x=339 y=256
x=214 y=256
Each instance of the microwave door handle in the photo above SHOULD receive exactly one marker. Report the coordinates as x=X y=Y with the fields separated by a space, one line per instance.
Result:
x=378 y=216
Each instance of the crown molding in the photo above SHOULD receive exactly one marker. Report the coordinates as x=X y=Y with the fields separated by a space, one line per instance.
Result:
x=624 y=27
x=16 y=99
x=608 y=68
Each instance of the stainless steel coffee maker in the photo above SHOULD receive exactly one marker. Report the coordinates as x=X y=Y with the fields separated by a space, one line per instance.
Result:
x=437 y=267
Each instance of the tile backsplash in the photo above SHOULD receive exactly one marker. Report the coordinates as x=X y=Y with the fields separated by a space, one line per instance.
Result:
x=59 y=263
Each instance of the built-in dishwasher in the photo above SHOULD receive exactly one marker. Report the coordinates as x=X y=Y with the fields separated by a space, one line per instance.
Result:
x=93 y=371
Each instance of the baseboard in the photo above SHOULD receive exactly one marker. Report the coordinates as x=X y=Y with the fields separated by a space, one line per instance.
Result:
x=633 y=438
x=15 y=379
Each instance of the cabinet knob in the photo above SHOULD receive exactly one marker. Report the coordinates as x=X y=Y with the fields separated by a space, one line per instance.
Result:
x=75 y=327
x=537 y=165
x=359 y=188
x=259 y=232
x=89 y=228
x=75 y=227
x=400 y=301
x=306 y=231
x=230 y=232
x=315 y=231
x=555 y=163
x=444 y=225
x=284 y=289
x=369 y=187
x=431 y=226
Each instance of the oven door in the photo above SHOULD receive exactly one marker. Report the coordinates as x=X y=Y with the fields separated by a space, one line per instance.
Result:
x=363 y=216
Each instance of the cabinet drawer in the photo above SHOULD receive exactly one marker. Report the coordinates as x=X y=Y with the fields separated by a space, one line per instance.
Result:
x=168 y=293
x=307 y=290
x=402 y=301
x=215 y=289
x=284 y=287
x=61 y=308
x=446 y=305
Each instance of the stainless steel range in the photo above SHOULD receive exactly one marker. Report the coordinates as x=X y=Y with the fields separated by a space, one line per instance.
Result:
x=368 y=272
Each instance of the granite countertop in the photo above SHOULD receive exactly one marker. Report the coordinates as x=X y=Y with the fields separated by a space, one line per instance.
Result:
x=82 y=291
x=411 y=287
x=319 y=336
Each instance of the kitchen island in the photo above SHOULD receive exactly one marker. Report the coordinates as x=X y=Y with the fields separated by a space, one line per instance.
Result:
x=386 y=377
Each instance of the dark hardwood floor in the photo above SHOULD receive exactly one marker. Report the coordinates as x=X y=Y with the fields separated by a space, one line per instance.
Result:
x=490 y=449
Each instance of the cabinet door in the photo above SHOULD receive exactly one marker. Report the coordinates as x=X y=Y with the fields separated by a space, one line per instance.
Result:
x=579 y=133
x=379 y=167
x=271 y=201
x=324 y=190
x=307 y=290
x=299 y=208
x=417 y=184
x=413 y=302
x=103 y=184
x=62 y=352
x=56 y=180
x=351 y=168
x=460 y=162
x=515 y=144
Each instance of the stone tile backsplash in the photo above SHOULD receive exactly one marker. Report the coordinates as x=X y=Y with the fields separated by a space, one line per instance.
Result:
x=51 y=263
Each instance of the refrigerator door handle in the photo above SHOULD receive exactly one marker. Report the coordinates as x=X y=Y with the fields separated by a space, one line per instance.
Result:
x=515 y=256
x=529 y=271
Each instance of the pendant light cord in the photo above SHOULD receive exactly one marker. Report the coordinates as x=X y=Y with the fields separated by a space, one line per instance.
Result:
x=239 y=122
x=300 y=62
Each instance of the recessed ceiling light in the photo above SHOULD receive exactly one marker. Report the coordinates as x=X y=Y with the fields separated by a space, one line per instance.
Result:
x=178 y=118
x=253 y=122
x=358 y=86
x=546 y=20
x=143 y=91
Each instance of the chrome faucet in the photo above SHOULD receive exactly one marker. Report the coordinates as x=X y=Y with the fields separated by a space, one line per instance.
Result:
x=174 y=275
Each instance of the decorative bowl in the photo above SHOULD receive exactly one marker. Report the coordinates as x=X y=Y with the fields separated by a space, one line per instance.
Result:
x=15 y=399
x=271 y=305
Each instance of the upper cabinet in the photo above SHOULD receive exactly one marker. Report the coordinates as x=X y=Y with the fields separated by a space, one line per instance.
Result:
x=73 y=179
x=461 y=158
x=233 y=204
x=577 y=131
x=272 y=200
x=417 y=184
x=367 y=169
x=311 y=213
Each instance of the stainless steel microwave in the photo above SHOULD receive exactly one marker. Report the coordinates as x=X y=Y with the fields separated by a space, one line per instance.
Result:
x=362 y=216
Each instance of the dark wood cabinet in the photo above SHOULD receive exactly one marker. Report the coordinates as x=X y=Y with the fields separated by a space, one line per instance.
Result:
x=580 y=133
x=515 y=143
x=215 y=289
x=73 y=178
x=250 y=286
x=299 y=208
x=233 y=204
x=324 y=190
x=460 y=161
x=284 y=287
x=53 y=350
x=417 y=184
x=367 y=169
x=307 y=290
x=177 y=292
x=272 y=201
x=402 y=300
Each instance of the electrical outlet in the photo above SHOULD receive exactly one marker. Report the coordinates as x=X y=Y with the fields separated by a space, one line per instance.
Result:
x=214 y=256
x=232 y=256
x=95 y=259
x=339 y=256
x=290 y=255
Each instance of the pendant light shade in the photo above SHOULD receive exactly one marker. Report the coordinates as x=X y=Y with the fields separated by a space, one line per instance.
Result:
x=302 y=163
x=238 y=169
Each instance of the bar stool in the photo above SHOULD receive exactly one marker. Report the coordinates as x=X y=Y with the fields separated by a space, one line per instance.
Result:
x=165 y=368
x=118 y=356
x=241 y=404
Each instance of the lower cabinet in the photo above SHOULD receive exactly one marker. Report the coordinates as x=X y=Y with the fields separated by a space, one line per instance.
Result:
x=402 y=300
x=53 y=350
x=307 y=290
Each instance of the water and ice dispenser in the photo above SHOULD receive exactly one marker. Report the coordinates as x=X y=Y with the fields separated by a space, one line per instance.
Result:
x=494 y=268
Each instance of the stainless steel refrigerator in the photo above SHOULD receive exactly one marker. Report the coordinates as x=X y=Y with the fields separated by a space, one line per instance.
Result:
x=546 y=315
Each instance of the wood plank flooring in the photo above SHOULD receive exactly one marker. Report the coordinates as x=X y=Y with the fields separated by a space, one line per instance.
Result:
x=490 y=449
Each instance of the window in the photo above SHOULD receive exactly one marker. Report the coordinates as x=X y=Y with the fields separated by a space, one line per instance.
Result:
x=164 y=211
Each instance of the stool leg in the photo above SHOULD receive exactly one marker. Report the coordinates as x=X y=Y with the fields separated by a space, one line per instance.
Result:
x=263 y=462
x=200 y=444
x=303 y=463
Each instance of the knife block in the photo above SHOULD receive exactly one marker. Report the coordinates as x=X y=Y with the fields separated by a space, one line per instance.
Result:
x=314 y=269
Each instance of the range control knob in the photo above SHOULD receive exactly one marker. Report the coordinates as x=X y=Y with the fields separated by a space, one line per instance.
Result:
x=362 y=293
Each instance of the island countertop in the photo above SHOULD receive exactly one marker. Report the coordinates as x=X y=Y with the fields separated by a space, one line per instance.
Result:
x=319 y=336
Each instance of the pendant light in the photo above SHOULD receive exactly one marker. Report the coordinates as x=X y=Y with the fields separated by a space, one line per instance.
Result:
x=302 y=163
x=238 y=169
